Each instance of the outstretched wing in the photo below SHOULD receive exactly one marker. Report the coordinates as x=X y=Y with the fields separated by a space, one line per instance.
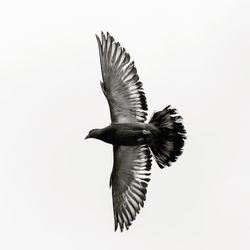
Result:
x=121 y=86
x=129 y=180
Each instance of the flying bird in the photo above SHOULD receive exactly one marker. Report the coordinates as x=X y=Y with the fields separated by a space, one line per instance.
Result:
x=134 y=141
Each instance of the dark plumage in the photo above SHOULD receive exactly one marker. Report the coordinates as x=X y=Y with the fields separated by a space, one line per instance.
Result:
x=132 y=139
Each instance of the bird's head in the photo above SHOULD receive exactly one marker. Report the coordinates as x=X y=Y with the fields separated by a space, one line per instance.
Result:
x=93 y=133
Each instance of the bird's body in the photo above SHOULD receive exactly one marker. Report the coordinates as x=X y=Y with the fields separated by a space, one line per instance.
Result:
x=134 y=141
x=127 y=134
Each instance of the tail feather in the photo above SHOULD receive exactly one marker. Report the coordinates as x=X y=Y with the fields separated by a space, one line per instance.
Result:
x=169 y=143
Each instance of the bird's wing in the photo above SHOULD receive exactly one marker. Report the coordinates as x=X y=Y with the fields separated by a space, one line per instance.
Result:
x=129 y=180
x=121 y=86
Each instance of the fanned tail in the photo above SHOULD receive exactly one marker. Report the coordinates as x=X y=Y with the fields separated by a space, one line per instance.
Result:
x=169 y=143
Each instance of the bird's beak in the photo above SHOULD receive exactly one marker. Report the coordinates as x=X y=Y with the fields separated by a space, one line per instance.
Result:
x=87 y=137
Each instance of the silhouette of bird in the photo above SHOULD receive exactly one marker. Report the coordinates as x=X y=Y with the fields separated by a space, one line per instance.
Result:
x=134 y=141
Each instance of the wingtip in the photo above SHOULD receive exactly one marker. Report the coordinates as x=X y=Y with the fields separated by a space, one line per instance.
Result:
x=97 y=37
x=115 y=227
x=98 y=41
x=105 y=36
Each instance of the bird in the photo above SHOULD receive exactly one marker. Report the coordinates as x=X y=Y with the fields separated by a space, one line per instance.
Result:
x=134 y=140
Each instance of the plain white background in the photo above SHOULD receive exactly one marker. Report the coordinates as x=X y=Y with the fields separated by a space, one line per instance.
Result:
x=194 y=55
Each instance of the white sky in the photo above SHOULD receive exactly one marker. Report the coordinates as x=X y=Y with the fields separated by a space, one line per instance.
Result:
x=194 y=55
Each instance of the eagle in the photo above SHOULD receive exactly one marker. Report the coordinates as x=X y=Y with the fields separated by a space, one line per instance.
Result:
x=134 y=140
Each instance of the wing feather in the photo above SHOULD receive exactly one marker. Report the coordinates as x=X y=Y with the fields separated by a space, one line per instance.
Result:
x=129 y=180
x=121 y=86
